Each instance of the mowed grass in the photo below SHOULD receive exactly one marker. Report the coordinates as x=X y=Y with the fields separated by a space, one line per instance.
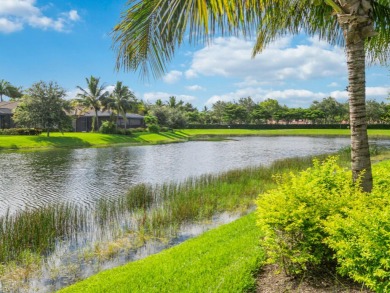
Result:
x=281 y=132
x=221 y=260
x=78 y=139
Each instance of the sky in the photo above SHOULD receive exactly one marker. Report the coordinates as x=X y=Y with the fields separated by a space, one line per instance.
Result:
x=67 y=41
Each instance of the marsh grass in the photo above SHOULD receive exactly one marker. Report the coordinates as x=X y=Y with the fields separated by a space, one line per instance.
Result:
x=146 y=212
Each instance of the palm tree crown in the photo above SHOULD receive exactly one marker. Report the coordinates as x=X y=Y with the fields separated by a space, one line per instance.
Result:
x=93 y=96
x=120 y=101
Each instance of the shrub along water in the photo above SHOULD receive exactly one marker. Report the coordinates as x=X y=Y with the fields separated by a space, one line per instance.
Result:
x=319 y=220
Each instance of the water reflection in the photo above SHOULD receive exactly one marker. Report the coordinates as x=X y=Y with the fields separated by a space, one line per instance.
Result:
x=82 y=176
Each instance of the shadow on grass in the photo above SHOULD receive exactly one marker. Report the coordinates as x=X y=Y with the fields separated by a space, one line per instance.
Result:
x=60 y=141
x=112 y=139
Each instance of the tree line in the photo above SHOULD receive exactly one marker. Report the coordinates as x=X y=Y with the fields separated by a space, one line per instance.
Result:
x=45 y=105
x=175 y=113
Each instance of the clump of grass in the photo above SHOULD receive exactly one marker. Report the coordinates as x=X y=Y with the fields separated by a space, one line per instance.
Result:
x=37 y=230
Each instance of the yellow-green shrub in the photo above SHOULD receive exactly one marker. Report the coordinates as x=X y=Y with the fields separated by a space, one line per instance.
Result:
x=292 y=216
x=361 y=236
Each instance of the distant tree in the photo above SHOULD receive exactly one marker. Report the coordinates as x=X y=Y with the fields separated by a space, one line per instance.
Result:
x=161 y=113
x=271 y=109
x=92 y=97
x=249 y=105
x=234 y=113
x=150 y=119
x=376 y=111
x=219 y=110
x=334 y=111
x=120 y=101
x=7 y=89
x=43 y=106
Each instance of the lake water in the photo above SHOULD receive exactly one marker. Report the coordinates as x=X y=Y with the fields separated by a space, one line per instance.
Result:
x=82 y=176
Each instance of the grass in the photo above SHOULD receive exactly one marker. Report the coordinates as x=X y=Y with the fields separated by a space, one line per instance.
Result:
x=222 y=260
x=78 y=139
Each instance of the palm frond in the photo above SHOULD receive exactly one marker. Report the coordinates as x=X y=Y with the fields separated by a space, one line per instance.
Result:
x=151 y=30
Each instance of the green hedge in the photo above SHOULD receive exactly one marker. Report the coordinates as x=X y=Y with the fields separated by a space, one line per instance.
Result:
x=21 y=131
x=281 y=126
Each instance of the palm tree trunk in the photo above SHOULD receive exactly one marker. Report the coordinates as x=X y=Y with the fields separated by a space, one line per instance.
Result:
x=360 y=155
x=96 y=121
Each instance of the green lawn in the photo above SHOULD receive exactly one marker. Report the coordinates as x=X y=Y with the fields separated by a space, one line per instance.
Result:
x=78 y=139
x=221 y=260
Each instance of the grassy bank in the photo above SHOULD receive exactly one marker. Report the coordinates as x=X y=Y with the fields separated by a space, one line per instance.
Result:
x=221 y=260
x=77 y=139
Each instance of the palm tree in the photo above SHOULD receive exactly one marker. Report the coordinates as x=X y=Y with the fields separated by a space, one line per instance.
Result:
x=120 y=101
x=150 y=31
x=173 y=103
x=7 y=89
x=93 y=97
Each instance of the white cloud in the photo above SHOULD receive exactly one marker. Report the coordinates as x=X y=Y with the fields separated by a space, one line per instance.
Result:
x=371 y=93
x=377 y=91
x=292 y=97
x=333 y=84
x=190 y=73
x=195 y=87
x=231 y=57
x=73 y=15
x=154 y=96
x=172 y=76
x=72 y=94
x=339 y=95
x=8 y=26
x=15 y=14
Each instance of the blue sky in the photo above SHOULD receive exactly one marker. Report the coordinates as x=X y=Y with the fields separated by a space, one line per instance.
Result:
x=67 y=41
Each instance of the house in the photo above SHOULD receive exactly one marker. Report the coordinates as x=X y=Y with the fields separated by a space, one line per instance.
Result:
x=6 y=113
x=83 y=120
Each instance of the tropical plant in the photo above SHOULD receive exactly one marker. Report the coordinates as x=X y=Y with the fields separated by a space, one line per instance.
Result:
x=43 y=106
x=150 y=30
x=93 y=97
x=121 y=100
x=7 y=89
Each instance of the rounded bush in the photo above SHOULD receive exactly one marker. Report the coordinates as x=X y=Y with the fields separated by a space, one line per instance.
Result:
x=154 y=128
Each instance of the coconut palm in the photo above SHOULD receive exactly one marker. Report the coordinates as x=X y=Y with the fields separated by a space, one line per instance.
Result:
x=93 y=97
x=150 y=30
x=121 y=100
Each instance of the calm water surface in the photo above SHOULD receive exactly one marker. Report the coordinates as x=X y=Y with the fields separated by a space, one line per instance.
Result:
x=82 y=176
